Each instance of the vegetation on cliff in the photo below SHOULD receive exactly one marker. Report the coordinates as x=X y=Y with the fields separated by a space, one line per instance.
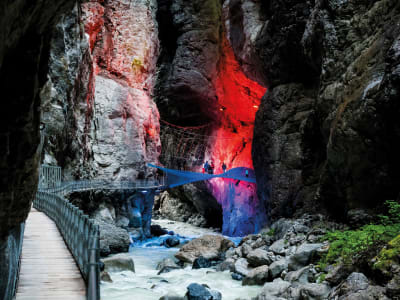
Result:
x=376 y=246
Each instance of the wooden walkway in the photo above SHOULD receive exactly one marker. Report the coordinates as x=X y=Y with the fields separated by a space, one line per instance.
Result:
x=48 y=270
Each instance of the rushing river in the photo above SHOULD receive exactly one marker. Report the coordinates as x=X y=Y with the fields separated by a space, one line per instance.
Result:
x=145 y=284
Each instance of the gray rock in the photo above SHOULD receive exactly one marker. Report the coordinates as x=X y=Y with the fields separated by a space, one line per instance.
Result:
x=105 y=213
x=354 y=282
x=118 y=263
x=172 y=207
x=314 y=291
x=281 y=227
x=166 y=265
x=357 y=287
x=260 y=242
x=303 y=255
x=279 y=247
x=230 y=253
x=257 y=276
x=113 y=239
x=258 y=257
x=242 y=267
x=246 y=249
x=276 y=268
x=208 y=246
x=227 y=264
x=393 y=286
x=301 y=276
x=275 y=288
x=300 y=228
x=105 y=276
x=358 y=217
x=199 y=292
x=337 y=274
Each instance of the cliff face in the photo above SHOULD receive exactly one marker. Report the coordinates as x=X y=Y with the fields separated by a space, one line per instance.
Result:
x=101 y=119
x=326 y=131
x=25 y=29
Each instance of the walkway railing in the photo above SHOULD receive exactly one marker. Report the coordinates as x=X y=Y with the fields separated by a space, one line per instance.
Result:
x=68 y=187
x=80 y=234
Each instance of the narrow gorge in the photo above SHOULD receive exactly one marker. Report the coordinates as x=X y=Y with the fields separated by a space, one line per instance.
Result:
x=224 y=149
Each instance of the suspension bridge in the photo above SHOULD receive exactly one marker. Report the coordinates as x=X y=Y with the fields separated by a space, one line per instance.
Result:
x=70 y=239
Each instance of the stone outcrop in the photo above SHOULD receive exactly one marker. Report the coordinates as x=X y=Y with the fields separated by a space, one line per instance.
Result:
x=323 y=131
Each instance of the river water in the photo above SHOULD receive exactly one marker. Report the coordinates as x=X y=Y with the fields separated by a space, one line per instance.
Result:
x=145 y=284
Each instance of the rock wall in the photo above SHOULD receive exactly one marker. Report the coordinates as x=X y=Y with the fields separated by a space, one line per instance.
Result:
x=25 y=29
x=325 y=132
x=97 y=102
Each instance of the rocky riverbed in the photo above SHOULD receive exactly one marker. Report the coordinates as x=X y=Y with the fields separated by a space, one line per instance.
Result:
x=281 y=262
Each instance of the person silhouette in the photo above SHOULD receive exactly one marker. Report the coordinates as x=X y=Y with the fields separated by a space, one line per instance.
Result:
x=223 y=167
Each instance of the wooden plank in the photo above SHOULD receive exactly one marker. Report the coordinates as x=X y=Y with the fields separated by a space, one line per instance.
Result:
x=48 y=270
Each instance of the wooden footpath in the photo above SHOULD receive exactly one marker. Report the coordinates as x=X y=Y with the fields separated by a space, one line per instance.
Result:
x=48 y=270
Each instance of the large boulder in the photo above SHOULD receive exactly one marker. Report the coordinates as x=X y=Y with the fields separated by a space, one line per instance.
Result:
x=303 y=255
x=227 y=264
x=276 y=268
x=357 y=286
x=113 y=239
x=118 y=263
x=208 y=246
x=242 y=267
x=257 y=276
x=279 y=247
x=273 y=289
x=314 y=291
x=258 y=257
x=300 y=276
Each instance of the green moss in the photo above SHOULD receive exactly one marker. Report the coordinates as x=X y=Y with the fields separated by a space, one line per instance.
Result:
x=346 y=246
x=388 y=256
x=271 y=232
x=321 y=278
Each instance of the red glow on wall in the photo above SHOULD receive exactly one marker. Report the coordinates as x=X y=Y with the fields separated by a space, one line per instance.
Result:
x=238 y=99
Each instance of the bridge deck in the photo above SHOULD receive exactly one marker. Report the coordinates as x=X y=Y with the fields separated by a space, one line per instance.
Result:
x=48 y=270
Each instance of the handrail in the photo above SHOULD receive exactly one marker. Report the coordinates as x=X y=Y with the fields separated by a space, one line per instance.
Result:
x=80 y=234
x=68 y=187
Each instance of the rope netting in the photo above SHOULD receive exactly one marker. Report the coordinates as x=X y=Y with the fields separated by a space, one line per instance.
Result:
x=184 y=147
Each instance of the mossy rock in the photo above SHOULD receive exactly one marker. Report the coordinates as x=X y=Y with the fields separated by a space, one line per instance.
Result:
x=389 y=256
